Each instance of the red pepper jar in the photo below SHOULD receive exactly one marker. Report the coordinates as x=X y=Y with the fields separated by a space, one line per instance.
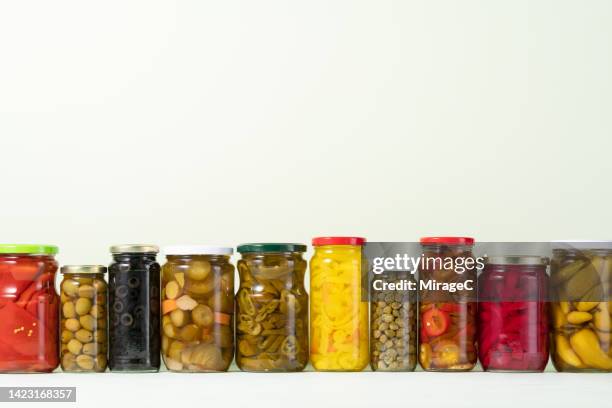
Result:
x=512 y=314
x=29 y=308
x=447 y=331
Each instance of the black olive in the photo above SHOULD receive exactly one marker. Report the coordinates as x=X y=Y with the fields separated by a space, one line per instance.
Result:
x=127 y=319
x=133 y=282
x=118 y=306
x=121 y=291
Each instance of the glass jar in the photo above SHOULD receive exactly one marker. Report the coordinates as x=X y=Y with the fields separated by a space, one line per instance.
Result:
x=272 y=308
x=198 y=308
x=447 y=340
x=339 y=305
x=83 y=337
x=29 y=308
x=580 y=285
x=512 y=314
x=393 y=317
x=134 y=309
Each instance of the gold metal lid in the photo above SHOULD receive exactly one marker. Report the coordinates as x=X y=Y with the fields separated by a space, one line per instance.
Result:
x=517 y=260
x=134 y=249
x=83 y=269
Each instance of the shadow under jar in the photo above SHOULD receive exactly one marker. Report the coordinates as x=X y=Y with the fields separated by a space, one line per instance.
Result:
x=198 y=308
x=447 y=340
x=28 y=309
x=134 y=309
x=84 y=343
x=512 y=314
x=272 y=308
x=581 y=286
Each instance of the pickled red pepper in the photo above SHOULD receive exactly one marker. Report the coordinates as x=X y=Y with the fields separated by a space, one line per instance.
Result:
x=29 y=309
x=338 y=308
x=512 y=314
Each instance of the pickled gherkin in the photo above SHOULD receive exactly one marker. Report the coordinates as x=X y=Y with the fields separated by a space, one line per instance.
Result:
x=581 y=282
x=339 y=306
x=83 y=327
x=272 y=308
x=198 y=309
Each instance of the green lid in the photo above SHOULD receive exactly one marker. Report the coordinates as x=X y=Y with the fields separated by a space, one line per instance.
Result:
x=30 y=249
x=271 y=247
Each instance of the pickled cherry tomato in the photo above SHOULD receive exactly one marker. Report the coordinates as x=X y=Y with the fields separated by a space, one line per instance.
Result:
x=435 y=322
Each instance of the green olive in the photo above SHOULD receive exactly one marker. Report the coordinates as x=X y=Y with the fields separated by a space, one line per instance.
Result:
x=99 y=285
x=75 y=346
x=86 y=291
x=97 y=311
x=72 y=325
x=70 y=287
x=101 y=362
x=68 y=310
x=68 y=361
x=84 y=336
x=83 y=306
x=90 y=349
x=99 y=336
x=67 y=335
x=85 y=362
x=88 y=322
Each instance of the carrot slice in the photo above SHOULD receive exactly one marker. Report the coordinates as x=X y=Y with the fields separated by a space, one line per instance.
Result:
x=168 y=305
x=222 y=318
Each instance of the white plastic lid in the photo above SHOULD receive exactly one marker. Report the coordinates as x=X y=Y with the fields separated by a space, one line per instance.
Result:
x=198 y=250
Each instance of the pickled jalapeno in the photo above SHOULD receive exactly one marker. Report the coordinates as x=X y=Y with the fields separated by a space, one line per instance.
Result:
x=134 y=309
x=447 y=337
x=84 y=343
x=581 y=286
x=339 y=305
x=198 y=308
x=272 y=308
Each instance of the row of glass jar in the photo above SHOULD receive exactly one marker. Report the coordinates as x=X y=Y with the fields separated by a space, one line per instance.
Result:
x=196 y=313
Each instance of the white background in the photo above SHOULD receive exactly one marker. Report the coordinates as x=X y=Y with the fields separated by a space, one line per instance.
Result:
x=232 y=121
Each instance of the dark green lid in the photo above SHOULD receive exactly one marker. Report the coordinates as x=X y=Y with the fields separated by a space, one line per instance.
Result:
x=271 y=247
x=29 y=249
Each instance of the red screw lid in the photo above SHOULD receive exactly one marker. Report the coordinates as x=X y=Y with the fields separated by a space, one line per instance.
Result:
x=320 y=241
x=448 y=240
